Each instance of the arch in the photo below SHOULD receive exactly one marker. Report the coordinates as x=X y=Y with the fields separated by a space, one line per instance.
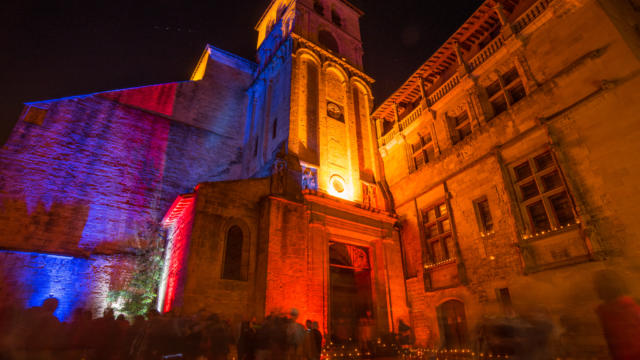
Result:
x=364 y=87
x=309 y=55
x=326 y=39
x=235 y=260
x=452 y=323
x=331 y=66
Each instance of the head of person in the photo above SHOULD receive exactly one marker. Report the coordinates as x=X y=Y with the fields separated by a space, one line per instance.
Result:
x=609 y=285
x=309 y=324
x=50 y=305
x=294 y=314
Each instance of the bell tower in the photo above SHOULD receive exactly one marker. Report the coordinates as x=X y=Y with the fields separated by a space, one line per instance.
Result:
x=311 y=97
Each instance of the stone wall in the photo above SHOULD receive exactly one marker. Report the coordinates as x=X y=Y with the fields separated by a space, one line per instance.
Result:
x=98 y=172
x=579 y=104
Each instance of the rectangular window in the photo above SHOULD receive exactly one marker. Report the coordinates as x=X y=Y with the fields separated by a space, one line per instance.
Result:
x=504 y=298
x=484 y=215
x=437 y=232
x=542 y=194
x=35 y=115
x=461 y=127
x=422 y=151
x=274 y=131
x=505 y=91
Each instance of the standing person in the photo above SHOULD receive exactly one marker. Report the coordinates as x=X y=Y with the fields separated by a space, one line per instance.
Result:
x=295 y=337
x=246 y=342
x=365 y=332
x=619 y=315
x=314 y=340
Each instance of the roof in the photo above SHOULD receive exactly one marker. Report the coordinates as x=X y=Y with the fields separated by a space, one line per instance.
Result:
x=477 y=28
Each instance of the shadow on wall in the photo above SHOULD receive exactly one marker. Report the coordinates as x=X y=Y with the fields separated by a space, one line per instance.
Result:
x=56 y=228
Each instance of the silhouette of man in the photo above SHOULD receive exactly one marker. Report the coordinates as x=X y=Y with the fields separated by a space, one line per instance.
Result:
x=619 y=315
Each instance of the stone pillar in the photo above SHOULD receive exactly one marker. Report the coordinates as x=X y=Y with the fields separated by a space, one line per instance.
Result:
x=507 y=28
x=522 y=65
x=396 y=117
x=463 y=67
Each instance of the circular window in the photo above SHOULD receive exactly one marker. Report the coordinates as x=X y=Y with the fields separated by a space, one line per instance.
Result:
x=337 y=182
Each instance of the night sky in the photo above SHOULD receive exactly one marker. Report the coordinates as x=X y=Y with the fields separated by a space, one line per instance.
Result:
x=58 y=48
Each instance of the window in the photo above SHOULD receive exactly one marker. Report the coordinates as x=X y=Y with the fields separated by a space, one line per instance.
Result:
x=505 y=91
x=461 y=127
x=437 y=233
x=542 y=194
x=328 y=41
x=335 y=18
x=235 y=259
x=317 y=7
x=274 y=130
x=422 y=151
x=483 y=214
x=504 y=298
x=35 y=115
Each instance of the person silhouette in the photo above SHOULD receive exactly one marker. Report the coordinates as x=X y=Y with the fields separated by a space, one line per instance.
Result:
x=619 y=315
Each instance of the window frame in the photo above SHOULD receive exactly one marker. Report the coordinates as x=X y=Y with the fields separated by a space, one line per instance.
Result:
x=506 y=90
x=441 y=235
x=457 y=128
x=482 y=224
x=543 y=195
x=422 y=149
x=243 y=271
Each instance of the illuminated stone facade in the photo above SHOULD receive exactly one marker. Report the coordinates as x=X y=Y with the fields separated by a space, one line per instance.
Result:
x=509 y=157
x=314 y=219
x=495 y=180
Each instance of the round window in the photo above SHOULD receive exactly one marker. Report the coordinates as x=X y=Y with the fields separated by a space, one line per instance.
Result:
x=337 y=183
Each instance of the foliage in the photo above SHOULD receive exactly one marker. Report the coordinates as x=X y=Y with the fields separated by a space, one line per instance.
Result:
x=140 y=293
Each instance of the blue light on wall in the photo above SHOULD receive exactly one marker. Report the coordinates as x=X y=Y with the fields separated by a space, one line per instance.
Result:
x=64 y=277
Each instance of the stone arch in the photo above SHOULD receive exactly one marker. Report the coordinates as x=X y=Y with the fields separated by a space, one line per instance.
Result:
x=364 y=87
x=236 y=240
x=361 y=110
x=452 y=323
x=326 y=39
x=309 y=68
x=339 y=70
x=335 y=79
x=303 y=54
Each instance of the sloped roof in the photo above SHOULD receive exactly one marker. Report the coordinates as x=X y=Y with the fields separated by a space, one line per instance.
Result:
x=477 y=27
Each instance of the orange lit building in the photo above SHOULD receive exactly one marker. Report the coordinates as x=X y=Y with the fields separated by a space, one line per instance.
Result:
x=493 y=182
x=309 y=224
x=509 y=157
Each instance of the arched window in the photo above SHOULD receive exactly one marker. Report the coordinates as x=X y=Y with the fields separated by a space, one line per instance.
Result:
x=235 y=258
x=327 y=40
x=335 y=18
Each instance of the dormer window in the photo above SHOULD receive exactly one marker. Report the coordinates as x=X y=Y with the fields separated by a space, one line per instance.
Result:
x=335 y=18
x=317 y=6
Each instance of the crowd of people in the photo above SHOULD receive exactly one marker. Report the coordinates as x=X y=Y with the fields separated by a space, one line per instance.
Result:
x=35 y=333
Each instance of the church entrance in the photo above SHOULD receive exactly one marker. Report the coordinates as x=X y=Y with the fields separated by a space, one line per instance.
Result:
x=350 y=291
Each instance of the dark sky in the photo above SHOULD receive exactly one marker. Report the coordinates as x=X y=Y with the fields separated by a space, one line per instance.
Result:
x=57 y=48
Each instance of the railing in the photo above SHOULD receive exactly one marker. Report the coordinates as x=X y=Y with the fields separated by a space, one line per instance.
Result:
x=520 y=23
x=486 y=53
x=409 y=119
x=444 y=89
x=386 y=138
x=531 y=14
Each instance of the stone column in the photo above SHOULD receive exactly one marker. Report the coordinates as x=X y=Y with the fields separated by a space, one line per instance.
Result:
x=507 y=28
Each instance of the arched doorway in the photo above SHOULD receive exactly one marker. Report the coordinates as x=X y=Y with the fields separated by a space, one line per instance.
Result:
x=453 y=324
x=350 y=291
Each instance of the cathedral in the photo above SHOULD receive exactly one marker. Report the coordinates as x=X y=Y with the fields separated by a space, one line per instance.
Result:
x=495 y=181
